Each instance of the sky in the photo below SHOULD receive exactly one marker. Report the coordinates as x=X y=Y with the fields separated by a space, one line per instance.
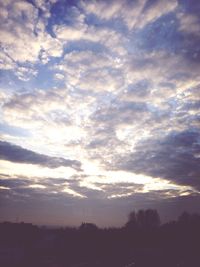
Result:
x=99 y=109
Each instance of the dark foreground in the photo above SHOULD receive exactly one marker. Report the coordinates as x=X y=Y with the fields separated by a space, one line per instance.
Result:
x=171 y=245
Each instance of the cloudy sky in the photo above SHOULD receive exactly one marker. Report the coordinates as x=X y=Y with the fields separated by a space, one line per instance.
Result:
x=99 y=110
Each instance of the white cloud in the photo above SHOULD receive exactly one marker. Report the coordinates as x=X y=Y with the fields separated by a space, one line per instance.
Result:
x=133 y=13
x=25 y=73
x=189 y=23
x=96 y=72
x=31 y=171
x=23 y=35
x=155 y=11
x=109 y=38
x=59 y=76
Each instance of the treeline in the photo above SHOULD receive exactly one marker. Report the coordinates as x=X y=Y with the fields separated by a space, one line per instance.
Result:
x=143 y=241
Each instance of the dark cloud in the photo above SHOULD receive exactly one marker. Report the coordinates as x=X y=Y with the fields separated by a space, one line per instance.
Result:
x=139 y=89
x=97 y=143
x=18 y=154
x=14 y=182
x=175 y=32
x=193 y=105
x=105 y=191
x=121 y=112
x=21 y=189
x=190 y=6
x=175 y=157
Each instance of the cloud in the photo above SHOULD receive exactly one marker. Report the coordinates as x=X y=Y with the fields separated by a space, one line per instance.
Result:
x=11 y=182
x=18 y=154
x=114 y=84
x=87 y=70
x=108 y=38
x=134 y=13
x=174 y=157
x=68 y=210
x=188 y=16
x=86 y=187
x=36 y=107
x=189 y=23
x=24 y=37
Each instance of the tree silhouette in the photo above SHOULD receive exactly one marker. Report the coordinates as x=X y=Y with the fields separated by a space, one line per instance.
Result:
x=152 y=218
x=141 y=243
x=88 y=227
x=184 y=218
x=132 y=221
x=143 y=219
